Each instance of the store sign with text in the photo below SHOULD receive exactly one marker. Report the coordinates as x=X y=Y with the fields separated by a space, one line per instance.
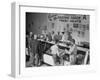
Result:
x=67 y=18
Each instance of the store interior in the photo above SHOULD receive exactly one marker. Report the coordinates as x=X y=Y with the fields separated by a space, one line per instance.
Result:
x=68 y=33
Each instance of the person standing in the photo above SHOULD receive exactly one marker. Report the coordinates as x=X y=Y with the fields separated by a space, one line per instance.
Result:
x=52 y=35
x=55 y=51
x=58 y=36
x=64 y=37
x=49 y=37
x=34 y=51
x=73 y=53
x=70 y=36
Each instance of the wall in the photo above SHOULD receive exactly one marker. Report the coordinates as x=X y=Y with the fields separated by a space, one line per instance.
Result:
x=77 y=24
x=36 y=22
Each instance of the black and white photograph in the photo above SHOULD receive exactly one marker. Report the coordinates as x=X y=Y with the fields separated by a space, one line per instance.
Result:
x=56 y=39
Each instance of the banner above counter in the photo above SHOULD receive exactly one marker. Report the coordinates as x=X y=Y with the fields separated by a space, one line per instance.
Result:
x=74 y=18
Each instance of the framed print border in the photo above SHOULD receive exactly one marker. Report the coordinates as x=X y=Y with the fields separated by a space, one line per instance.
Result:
x=17 y=11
